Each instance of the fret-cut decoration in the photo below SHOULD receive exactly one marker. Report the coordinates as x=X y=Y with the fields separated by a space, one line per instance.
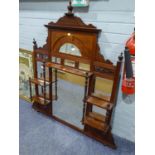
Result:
x=104 y=70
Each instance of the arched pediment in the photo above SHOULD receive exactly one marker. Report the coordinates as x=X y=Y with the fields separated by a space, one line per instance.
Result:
x=71 y=22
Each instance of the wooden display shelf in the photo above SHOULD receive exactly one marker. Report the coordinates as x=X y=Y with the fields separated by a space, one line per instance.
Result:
x=97 y=116
x=40 y=99
x=40 y=81
x=69 y=69
x=96 y=124
x=99 y=102
x=104 y=97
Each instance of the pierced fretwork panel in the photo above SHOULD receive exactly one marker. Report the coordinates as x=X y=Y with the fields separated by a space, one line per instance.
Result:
x=104 y=70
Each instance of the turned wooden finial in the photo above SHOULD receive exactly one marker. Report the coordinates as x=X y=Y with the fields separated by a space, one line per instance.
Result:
x=35 y=44
x=120 y=57
x=70 y=9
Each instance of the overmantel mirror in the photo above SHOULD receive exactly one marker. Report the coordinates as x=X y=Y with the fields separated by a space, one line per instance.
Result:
x=74 y=48
x=77 y=87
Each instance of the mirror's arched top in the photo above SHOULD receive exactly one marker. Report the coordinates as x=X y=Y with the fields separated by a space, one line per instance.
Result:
x=69 y=48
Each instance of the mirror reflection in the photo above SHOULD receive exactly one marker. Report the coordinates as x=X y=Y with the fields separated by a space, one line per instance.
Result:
x=69 y=48
x=103 y=88
x=56 y=60
x=69 y=104
x=69 y=63
x=84 y=66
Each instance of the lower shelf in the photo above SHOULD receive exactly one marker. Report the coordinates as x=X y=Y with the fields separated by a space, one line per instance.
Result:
x=41 y=100
x=100 y=125
x=106 y=139
x=97 y=116
x=44 y=109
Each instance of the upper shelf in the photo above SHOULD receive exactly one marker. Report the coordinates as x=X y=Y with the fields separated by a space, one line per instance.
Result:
x=69 y=69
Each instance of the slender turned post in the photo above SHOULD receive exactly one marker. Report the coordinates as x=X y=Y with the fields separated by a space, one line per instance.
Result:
x=30 y=88
x=85 y=96
x=51 y=84
x=56 y=84
x=115 y=88
x=44 y=77
x=91 y=86
x=35 y=46
x=108 y=116
x=42 y=87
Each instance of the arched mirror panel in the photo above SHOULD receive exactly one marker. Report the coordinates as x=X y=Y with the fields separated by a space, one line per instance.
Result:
x=69 y=48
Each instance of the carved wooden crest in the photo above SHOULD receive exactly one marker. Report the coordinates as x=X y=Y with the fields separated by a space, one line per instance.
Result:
x=71 y=22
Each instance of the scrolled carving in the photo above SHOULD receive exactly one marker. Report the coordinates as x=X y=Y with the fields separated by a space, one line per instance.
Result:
x=104 y=70
x=100 y=57
x=45 y=46
x=70 y=21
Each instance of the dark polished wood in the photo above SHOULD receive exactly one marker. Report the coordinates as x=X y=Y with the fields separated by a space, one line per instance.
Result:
x=71 y=29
